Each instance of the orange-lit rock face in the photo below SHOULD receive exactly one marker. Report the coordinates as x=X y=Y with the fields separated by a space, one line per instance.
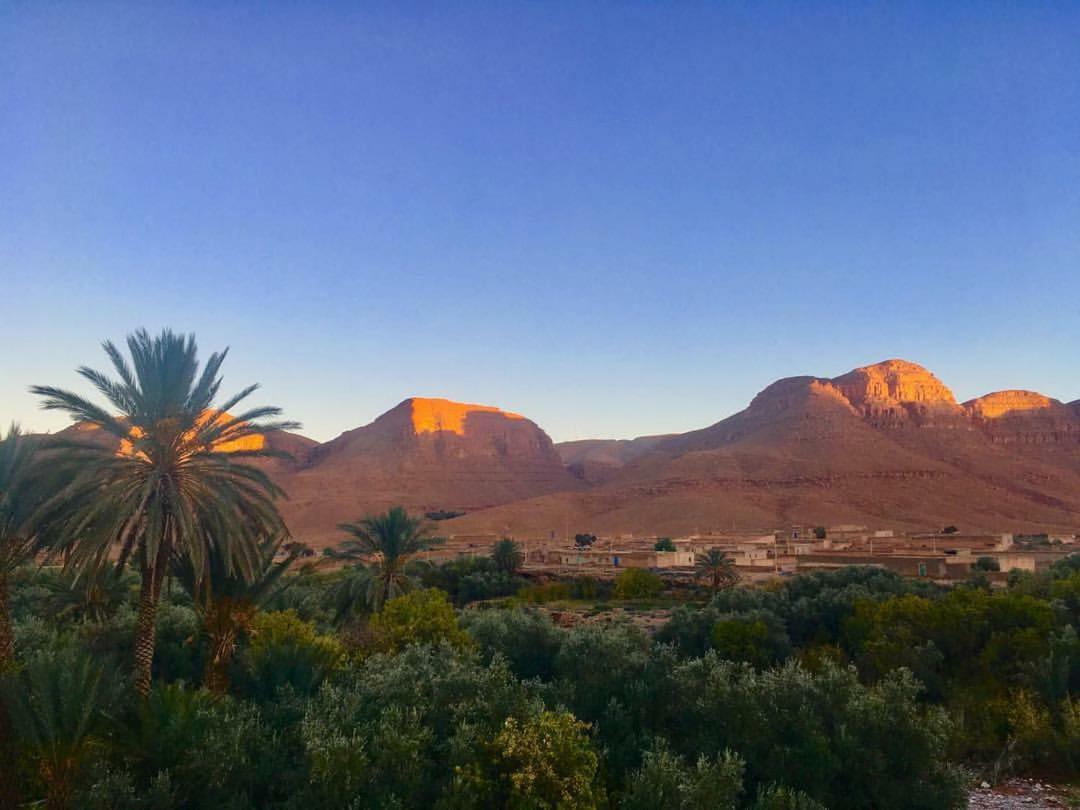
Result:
x=245 y=443
x=1002 y=403
x=435 y=415
x=894 y=382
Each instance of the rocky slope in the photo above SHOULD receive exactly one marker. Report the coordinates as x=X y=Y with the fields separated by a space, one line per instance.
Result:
x=883 y=445
x=428 y=455
x=886 y=445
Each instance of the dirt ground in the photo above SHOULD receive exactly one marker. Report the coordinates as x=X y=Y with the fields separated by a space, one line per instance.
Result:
x=1029 y=794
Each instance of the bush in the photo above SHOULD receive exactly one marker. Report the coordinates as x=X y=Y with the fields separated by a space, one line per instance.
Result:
x=637 y=583
x=664 y=544
x=546 y=592
x=545 y=761
x=666 y=782
x=420 y=617
x=528 y=641
x=397 y=730
x=843 y=744
x=757 y=637
x=286 y=651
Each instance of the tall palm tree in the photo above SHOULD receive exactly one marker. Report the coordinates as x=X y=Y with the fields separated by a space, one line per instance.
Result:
x=227 y=601
x=386 y=542
x=171 y=482
x=718 y=568
x=507 y=555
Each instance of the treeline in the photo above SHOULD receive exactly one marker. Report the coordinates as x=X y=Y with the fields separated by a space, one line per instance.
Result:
x=424 y=705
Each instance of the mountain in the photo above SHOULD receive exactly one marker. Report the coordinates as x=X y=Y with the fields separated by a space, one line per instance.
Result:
x=597 y=460
x=428 y=455
x=886 y=445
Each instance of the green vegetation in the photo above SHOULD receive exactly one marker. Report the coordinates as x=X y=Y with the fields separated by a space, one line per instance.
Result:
x=664 y=544
x=172 y=490
x=716 y=568
x=395 y=683
x=637 y=583
x=507 y=556
x=379 y=547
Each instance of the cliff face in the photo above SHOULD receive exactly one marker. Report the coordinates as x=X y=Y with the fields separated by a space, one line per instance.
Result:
x=1025 y=418
x=885 y=445
x=427 y=455
x=896 y=392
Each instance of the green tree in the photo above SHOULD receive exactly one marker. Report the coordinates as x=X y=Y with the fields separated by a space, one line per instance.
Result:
x=756 y=637
x=717 y=568
x=387 y=543
x=664 y=544
x=778 y=797
x=666 y=782
x=546 y=762
x=171 y=479
x=420 y=617
x=507 y=556
x=986 y=564
x=286 y=651
x=227 y=602
x=638 y=583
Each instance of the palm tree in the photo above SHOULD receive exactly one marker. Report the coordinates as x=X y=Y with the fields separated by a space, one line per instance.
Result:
x=176 y=485
x=227 y=601
x=507 y=556
x=718 y=568
x=26 y=490
x=59 y=704
x=387 y=542
x=18 y=541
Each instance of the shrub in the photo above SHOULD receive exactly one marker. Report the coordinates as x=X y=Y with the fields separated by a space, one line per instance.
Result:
x=546 y=592
x=420 y=617
x=286 y=651
x=756 y=637
x=545 y=762
x=666 y=782
x=528 y=641
x=637 y=583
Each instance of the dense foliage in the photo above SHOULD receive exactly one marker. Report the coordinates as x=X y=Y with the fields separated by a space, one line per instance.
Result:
x=853 y=689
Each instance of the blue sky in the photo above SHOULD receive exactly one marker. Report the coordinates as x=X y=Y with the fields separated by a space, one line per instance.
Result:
x=616 y=219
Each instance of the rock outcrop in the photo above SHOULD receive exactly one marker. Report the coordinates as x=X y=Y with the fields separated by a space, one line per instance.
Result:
x=885 y=445
x=429 y=455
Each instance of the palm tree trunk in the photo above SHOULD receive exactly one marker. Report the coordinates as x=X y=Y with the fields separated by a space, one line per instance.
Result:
x=59 y=785
x=145 y=631
x=146 y=624
x=9 y=793
x=221 y=634
x=216 y=672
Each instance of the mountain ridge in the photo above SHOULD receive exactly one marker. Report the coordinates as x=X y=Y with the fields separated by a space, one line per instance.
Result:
x=886 y=444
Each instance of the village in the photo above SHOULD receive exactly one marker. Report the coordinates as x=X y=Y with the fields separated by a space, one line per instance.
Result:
x=944 y=557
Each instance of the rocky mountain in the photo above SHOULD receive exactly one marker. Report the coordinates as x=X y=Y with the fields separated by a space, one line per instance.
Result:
x=430 y=455
x=885 y=445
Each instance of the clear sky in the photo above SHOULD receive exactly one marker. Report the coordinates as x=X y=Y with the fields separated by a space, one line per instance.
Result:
x=616 y=219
